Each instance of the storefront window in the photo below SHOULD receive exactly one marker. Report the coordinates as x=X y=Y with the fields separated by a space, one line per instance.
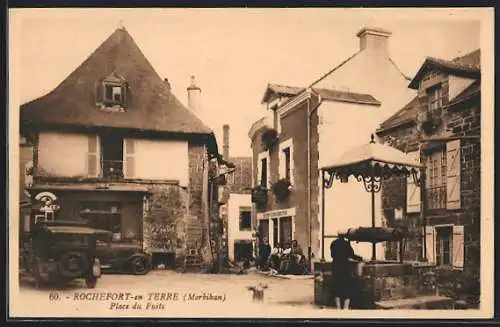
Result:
x=103 y=215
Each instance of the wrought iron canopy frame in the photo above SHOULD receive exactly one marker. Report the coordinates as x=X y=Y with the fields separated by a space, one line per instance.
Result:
x=370 y=172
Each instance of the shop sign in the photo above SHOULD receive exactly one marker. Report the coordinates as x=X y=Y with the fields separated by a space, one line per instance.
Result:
x=276 y=213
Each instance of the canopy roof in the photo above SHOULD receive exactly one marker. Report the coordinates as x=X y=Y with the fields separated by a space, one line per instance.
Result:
x=373 y=154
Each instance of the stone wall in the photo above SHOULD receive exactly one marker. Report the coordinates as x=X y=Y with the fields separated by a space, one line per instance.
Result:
x=173 y=211
x=463 y=119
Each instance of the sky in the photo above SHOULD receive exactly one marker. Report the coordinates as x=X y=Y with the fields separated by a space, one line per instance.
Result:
x=233 y=53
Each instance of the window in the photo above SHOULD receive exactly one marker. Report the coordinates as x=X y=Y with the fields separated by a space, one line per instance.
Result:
x=443 y=245
x=113 y=92
x=112 y=156
x=436 y=180
x=245 y=218
x=286 y=160
x=434 y=95
x=102 y=215
x=263 y=172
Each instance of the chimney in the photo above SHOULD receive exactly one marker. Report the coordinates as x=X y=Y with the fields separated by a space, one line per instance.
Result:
x=194 y=96
x=225 y=141
x=374 y=39
x=167 y=83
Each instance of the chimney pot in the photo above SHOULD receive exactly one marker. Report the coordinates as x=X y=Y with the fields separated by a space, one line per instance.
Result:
x=374 y=39
x=167 y=83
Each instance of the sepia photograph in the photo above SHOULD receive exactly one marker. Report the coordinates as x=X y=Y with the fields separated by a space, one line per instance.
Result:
x=314 y=163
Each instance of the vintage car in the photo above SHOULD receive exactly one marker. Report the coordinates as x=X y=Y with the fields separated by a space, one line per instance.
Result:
x=121 y=256
x=59 y=252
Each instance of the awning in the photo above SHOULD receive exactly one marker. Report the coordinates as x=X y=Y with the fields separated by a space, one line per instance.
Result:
x=96 y=187
x=359 y=161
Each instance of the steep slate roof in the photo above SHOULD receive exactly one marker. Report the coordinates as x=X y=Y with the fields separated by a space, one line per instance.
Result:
x=406 y=114
x=151 y=106
x=343 y=96
x=468 y=65
x=279 y=89
x=327 y=94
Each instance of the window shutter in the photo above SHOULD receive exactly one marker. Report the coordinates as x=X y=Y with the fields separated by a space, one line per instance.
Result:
x=92 y=156
x=282 y=164
x=453 y=174
x=129 y=157
x=430 y=239
x=413 y=190
x=259 y=170
x=458 y=247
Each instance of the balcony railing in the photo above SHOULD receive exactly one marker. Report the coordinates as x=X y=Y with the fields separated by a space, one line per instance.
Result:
x=112 y=169
x=436 y=197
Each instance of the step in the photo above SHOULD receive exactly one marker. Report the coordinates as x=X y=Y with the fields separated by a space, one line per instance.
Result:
x=419 y=302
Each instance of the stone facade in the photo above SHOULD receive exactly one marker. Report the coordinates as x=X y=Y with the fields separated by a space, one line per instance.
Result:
x=461 y=119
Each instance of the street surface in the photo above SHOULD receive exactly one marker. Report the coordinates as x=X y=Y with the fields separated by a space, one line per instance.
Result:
x=171 y=294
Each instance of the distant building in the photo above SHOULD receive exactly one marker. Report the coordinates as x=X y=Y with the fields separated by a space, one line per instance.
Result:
x=447 y=110
x=237 y=207
x=308 y=127
x=114 y=146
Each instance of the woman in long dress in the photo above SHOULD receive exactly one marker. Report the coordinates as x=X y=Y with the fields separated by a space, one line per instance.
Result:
x=343 y=279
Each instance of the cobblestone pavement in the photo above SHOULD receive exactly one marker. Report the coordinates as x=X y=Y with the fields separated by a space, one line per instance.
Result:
x=198 y=295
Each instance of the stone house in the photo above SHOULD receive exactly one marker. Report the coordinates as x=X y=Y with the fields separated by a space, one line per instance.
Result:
x=113 y=145
x=441 y=128
x=308 y=127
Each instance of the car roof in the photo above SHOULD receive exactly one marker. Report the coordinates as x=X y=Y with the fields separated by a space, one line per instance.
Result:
x=71 y=230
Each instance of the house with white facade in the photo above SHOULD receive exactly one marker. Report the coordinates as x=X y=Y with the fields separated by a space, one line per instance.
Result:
x=114 y=146
x=310 y=126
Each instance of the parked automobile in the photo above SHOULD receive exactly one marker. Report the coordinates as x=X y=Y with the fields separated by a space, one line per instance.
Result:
x=121 y=256
x=59 y=252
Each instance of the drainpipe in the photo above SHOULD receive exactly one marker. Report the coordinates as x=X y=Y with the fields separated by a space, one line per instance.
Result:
x=309 y=184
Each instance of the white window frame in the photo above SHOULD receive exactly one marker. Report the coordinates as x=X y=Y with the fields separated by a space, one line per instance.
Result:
x=244 y=209
x=263 y=155
x=282 y=173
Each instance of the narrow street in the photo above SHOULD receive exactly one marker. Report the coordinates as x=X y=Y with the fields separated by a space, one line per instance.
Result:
x=172 y=294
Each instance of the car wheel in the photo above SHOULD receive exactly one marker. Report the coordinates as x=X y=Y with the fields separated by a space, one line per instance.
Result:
x=90 y=282
x=73 y=264
x=140 y=265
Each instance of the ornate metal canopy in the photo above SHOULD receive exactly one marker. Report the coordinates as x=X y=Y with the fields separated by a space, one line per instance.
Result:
x=369 y=163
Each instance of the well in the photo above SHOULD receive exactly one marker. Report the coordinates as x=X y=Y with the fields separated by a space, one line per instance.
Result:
x=381 y=282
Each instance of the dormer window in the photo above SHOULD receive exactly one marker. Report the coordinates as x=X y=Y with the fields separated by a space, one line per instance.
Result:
x=113 y=94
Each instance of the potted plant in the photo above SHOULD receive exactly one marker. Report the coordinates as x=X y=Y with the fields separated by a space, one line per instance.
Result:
x=259 y=195
x=431 y=123
x=282 y=188
x=269 y=137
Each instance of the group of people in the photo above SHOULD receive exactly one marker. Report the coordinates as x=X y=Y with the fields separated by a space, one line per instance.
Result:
x=290 y=259
x=285 y=260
